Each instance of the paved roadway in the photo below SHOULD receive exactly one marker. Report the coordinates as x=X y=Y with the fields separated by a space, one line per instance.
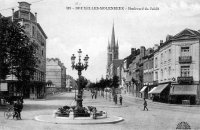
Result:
x=160 y=116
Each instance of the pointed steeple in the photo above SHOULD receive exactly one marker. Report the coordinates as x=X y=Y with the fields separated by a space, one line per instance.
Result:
x=108 y=45
x=113 y=37
x=117 y=44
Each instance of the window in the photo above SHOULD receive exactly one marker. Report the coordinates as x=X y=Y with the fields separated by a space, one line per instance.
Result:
x=169 y=55
x=161 y=58
x=185 y=71
x=161 y=74
x=156 y=73
x=33 y=31
x=185 y=51
x=169 y=71
x=156 y=62
x=42 y=52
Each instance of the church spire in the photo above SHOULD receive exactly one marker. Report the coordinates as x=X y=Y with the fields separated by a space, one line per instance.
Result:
x=113 y=36
x=117 y=45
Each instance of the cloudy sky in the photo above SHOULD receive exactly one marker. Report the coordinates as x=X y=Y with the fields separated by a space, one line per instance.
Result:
x=90 y=30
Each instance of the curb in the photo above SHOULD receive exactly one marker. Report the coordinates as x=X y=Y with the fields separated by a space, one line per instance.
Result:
x=47 y=119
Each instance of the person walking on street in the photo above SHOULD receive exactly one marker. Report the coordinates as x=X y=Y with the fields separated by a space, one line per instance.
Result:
x=95 y=95
x=92 y=95
x=145 y=105
x=120 y=99
x=115 y=98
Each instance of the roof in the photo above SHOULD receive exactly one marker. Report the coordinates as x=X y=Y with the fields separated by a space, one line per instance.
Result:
x=42 y=30
x=16 y=15
x=183 y=35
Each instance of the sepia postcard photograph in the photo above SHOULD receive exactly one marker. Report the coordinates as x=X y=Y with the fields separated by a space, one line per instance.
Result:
x=99 y=64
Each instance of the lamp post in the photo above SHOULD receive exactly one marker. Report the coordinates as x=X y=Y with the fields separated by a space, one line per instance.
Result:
x=79 y=67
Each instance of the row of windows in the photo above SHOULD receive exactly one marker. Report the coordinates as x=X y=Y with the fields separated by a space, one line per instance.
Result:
x=185 y=71
x=34 y=33
x=166 y=55
x=38 y=76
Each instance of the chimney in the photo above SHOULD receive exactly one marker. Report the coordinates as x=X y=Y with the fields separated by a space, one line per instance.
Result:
x=142 y=51
x=168 y=37
x=133 y=51
x=36 y=17
x=155 y=47
x=161 y=42
x=12 y=14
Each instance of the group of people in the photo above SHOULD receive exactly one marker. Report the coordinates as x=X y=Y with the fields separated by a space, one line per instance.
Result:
x=94 y=94
x=115 y=99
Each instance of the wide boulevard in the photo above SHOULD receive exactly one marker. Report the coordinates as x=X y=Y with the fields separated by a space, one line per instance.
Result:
x=160 y=115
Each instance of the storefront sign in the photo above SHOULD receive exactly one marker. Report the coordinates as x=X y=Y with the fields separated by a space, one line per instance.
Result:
x=3 y=86
x=185 y=79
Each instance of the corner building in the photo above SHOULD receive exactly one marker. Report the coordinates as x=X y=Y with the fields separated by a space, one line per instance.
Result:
x=177 y=68
x=36 y=89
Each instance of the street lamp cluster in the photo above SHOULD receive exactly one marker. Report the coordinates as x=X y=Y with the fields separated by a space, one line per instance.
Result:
x=79 y=67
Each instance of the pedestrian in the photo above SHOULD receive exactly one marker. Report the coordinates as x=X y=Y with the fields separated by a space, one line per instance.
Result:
x=145 y=105
x=94 y=111
x=95 y=95
x=92 y=95
x=115 y=98
x=120 y=99
x=20 y=108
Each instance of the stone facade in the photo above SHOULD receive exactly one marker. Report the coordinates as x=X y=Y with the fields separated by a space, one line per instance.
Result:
x=173 y=67
x=177 y=62
x=37 y=35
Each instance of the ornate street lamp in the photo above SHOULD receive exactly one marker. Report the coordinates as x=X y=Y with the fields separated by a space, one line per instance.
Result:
x=79 y=67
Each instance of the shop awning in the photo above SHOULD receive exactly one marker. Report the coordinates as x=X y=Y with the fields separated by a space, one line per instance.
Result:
x=152 y=90
x=158 y=89
x=143 y=89
x=183 y=90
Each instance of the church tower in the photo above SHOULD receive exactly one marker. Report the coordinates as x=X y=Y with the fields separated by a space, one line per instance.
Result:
x=112 y=49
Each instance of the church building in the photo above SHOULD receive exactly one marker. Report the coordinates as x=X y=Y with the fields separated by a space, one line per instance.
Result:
x=113 y=61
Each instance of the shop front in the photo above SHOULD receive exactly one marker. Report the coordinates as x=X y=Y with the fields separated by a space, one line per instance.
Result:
x=183 y=94
x=160 y=93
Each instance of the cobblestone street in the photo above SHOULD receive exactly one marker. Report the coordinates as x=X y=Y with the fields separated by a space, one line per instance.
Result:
x=159 y=116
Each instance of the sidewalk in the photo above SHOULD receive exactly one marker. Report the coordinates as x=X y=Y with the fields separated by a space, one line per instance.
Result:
x=127 y=95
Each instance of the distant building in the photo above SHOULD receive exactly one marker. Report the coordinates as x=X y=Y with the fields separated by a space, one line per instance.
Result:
x=148 y=83
x=56 y=73
x=112 y=54
x=70 y=82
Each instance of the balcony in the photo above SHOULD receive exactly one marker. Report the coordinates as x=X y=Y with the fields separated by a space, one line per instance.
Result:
x=181 y=80
x=185 y=59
